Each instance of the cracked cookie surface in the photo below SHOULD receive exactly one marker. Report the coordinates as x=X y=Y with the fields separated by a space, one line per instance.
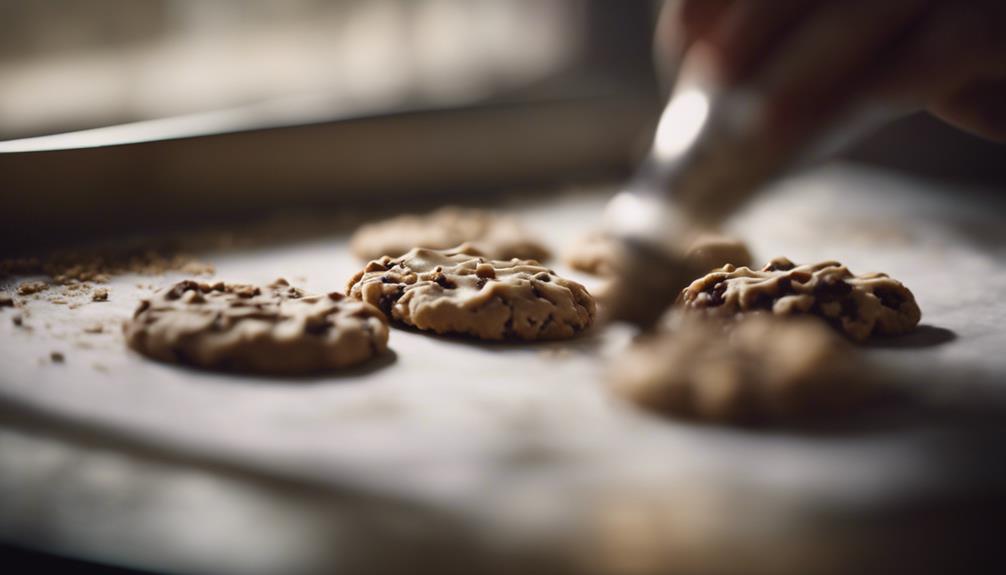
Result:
x=763 y=369
x=859 y=306
x=496 y=236
x=276 y=329
x=459 y=291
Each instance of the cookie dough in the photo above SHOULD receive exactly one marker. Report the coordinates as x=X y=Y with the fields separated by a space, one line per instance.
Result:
x=763 y=369
x=274 y=330
x=497 y=237
x=597 y=254
x=859 y=306
x=461 y=292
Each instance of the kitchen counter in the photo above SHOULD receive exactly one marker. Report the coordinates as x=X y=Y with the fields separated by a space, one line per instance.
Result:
x=506 y=455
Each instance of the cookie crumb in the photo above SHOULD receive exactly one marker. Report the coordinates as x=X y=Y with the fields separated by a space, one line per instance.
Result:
x=18 y=320
x=94 y=328
x=100 y=294
x=57 y=357
x=29 y=288
x=70 y=267
x=6 y=300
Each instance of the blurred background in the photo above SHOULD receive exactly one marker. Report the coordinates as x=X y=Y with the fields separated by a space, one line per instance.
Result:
x=229 y=105
x=68 y=65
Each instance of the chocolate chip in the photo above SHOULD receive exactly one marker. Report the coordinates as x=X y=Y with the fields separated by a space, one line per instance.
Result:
x=849 y=307
x=317 y=325
x=180 y=288
x=832 y=286
x=543 y=277
x=761 y=300
x=444 y=281
x=144 y=306
x=486 y=271
x=889 y=298
x=716 y=295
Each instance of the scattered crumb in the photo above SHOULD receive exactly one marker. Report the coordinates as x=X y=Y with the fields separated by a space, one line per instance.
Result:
x=57 y=357
x=72 y=267
x=6 y=300
x=95 y=328
x=100 y=294
x=18 y=320
x=100 y=367
x=29 y=288
x=58 y=301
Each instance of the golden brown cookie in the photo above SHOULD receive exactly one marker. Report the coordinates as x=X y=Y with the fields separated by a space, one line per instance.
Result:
x=461 y=292
x=274 y=330
x=763 y=369
x=496 y=236
x=859 y=306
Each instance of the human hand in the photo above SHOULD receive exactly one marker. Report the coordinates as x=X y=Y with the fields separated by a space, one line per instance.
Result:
x=813 y=60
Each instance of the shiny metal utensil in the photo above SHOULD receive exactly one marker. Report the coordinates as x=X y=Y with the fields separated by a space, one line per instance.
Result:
x=704 y=163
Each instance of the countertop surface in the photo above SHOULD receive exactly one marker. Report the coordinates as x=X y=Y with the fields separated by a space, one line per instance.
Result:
x=519 y=448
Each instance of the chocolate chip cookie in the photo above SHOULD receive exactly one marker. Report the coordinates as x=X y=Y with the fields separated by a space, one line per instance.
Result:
x=276 y=329
x=859 y=306
x=762 y=369
x=460 y=291
x=496 y=236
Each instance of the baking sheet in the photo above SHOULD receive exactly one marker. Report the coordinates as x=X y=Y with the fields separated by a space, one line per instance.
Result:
x=523 y=442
